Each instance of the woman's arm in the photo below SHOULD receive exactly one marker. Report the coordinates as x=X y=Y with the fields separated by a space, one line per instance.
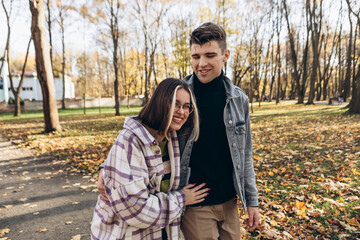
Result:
x=126 y=183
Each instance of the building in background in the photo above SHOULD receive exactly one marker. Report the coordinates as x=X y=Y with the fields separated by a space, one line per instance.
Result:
x=31 y=89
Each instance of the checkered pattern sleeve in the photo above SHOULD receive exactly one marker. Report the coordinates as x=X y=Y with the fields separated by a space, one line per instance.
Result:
x=129 y=186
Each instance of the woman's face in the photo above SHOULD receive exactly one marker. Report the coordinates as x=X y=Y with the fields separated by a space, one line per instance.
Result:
x=182 y=109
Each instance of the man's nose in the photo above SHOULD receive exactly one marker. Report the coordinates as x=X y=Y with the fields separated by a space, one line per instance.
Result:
x=202 y=62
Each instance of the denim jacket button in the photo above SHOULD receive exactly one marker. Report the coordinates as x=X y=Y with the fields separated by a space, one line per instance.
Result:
x=234 y=145
x=230 y=122
x=238 y=167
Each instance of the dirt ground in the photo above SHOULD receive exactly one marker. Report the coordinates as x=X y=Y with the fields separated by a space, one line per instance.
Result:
x=41 y=198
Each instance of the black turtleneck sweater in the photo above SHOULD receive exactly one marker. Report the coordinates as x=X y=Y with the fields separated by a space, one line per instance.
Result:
x=210 y=160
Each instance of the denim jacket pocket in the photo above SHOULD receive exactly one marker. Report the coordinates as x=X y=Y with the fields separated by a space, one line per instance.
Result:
x=240 y=133
x=240 y=128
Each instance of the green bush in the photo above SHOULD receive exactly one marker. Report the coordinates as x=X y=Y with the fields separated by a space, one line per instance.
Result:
x=11 y=101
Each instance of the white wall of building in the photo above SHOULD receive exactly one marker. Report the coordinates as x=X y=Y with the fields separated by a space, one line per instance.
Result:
x=31 y=89
x=4 y=95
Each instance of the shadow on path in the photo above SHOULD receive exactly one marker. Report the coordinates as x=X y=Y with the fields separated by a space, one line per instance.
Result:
x=39 y=192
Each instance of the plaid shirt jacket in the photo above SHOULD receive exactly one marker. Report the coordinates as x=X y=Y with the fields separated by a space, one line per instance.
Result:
x=132 y=174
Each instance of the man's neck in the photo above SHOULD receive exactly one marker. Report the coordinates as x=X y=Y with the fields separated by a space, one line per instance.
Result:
x=210 y=82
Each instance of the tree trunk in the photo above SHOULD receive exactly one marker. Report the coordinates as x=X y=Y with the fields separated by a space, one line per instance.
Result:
x=63 y=106
x=49 y=22
x=16 y=93
x=315 y=24
x=346 y=85
x=355 y=99
x=43 y=66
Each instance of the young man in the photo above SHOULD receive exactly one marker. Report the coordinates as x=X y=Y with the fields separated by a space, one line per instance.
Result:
x=222 y=156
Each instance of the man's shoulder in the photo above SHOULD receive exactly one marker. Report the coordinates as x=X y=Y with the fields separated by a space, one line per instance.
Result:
x=188 y=78
x=233 y=89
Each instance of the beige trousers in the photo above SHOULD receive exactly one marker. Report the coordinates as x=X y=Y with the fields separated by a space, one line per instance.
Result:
x=215 y=222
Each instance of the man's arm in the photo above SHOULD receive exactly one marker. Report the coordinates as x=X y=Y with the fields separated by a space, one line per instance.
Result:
x=254 y=217
x=251 y=191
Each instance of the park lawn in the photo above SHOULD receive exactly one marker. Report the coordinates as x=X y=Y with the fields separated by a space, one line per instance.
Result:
x=306 y=157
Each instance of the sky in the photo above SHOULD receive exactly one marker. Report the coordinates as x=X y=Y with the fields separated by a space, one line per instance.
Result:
x=78 y=36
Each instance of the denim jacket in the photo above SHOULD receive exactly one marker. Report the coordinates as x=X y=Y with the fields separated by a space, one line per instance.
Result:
x=237 y=124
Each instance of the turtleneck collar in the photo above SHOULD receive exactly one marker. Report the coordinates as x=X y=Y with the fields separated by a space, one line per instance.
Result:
x=214 y=84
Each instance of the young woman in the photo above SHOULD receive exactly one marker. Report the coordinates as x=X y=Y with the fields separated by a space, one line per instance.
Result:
x=141 y=172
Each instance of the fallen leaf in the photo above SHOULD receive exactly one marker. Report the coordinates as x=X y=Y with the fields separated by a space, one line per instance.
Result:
x=352 y=221
x=76 y=237
x=272 y=233
x=42 y=230
x=4 y=231
x=348 y=227
x=288 y=235
x=68 y=222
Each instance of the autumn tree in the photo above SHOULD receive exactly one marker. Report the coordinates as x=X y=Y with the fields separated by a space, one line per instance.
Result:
x=314 y=10
x=49 y=21
x=180 y=29
x=299 y=73
x=15 y=90
x=354 y=106
x=64 y=9
x=7 y=15
x=149 y=15
x=43 y=66
x=110 y=12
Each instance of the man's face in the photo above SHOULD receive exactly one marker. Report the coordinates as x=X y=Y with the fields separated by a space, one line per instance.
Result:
x=207 y=60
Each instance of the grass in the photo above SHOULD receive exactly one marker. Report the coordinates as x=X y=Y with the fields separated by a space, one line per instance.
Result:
x=70 y=112
x=306 y=158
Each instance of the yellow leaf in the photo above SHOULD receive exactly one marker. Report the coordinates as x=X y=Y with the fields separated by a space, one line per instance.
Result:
x=299 y=205
x=4 y=231
x=267 y=190
x=352 y=221
x=274 y=223
x=76 y=237
x=42 y=230
x=353 y=170
x=271 y=173
x=301 y=212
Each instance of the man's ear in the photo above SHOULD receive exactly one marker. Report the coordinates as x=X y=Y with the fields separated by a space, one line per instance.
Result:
x=227 y=55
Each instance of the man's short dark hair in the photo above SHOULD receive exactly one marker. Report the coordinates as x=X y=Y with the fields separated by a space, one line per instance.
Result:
x=207 y=32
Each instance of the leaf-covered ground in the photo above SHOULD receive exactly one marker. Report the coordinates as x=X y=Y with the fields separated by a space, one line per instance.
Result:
x=307 y=161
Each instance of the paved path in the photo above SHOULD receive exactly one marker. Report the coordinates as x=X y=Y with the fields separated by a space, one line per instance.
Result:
x=40 y=198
